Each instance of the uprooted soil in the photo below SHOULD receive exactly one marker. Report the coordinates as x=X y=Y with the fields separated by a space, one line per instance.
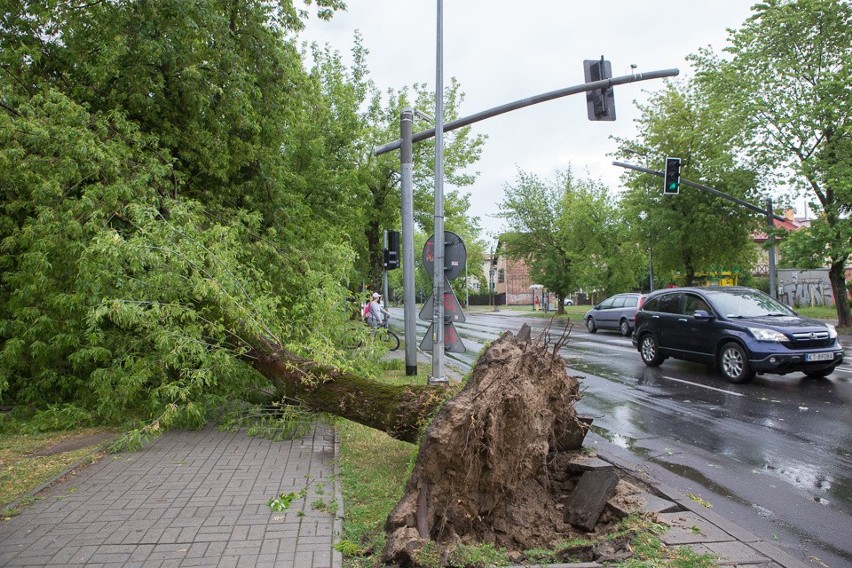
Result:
x=497 y=463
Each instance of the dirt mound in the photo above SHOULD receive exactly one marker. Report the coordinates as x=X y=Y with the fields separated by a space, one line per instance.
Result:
x=499 y=461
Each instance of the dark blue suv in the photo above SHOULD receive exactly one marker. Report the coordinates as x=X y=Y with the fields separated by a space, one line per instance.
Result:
x=742 y=331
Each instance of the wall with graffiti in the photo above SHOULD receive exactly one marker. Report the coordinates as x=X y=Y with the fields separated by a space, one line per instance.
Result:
x=804 y=287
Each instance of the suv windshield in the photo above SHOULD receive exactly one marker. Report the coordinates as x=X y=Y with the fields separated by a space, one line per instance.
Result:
x=748 y=304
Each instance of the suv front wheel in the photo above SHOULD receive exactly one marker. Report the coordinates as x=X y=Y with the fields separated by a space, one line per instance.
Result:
x=650 y=351
x=733 y=362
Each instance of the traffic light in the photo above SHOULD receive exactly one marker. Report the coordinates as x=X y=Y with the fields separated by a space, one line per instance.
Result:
x=600 y=103
x=672 y=185
x=392 y=252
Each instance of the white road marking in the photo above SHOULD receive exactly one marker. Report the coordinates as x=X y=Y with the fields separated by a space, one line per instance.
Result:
x=703 y=386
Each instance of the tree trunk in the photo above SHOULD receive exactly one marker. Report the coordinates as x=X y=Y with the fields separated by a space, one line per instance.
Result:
x=400 y=411
x=837 y=277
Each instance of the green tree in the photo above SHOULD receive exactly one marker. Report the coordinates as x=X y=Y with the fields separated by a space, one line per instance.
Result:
x=694 y=231
x=158 y=163
x=569 y=233
x=784 y=87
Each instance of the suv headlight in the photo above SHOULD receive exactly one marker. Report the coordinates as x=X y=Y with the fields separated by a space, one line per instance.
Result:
x=763 y=334
x=832 y=331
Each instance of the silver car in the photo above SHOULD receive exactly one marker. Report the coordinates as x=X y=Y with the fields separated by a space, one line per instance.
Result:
x=616 y=313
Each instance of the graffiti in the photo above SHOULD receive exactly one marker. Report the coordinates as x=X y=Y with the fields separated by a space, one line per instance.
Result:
x=799 y=288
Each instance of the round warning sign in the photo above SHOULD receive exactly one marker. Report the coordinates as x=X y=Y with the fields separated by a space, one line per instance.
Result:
x=455 y=255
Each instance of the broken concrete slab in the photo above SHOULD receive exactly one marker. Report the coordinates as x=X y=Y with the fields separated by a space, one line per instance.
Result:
x=646 y=502
x=589 y=498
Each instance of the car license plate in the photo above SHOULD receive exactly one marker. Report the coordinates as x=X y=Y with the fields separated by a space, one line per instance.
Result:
x=819 y=357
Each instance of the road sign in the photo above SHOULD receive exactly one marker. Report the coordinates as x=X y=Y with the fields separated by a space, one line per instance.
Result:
x=452 y=306
x=600 y=103
x=455 y=255
x=452 y=341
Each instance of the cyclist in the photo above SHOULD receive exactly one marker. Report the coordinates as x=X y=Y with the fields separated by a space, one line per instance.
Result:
x=377 y=313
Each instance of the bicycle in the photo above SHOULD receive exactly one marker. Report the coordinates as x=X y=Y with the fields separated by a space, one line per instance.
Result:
x=384 y=334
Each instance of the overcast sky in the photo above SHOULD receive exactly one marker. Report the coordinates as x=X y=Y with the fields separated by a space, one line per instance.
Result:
x=503 y=50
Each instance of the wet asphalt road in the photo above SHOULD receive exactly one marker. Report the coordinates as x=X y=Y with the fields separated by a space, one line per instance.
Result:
x=774 y=456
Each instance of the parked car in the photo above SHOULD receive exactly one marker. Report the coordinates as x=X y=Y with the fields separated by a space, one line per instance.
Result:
x=616 y=312
x=569 y=302
x=740 y=330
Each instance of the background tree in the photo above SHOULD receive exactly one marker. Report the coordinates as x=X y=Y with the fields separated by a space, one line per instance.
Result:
x=694 y=231
x=569 y=233
x=380 y=174
x=784 y=88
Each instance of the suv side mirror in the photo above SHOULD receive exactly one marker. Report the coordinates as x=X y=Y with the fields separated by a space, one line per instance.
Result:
x=702 y=315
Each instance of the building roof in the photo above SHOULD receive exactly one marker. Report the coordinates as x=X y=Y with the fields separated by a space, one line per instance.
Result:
x=790 y=223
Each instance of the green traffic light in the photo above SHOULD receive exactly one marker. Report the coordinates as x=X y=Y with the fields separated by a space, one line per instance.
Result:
x=673 y=186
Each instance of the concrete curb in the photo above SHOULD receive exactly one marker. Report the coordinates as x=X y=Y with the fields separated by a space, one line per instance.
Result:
x=337 y=523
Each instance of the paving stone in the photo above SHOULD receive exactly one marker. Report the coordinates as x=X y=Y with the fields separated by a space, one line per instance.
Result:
x=686 y=528
x=581 y=464
x=736 y=553
x=586 y=503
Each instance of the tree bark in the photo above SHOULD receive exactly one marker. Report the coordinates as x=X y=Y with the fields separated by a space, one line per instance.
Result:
x=837 y=277
x=401 y=411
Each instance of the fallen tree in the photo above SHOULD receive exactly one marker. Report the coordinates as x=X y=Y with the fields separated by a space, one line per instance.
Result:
x=500 y=459
x=399 y=410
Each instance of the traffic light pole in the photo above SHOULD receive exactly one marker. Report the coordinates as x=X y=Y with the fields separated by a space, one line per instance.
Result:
x=409 y=312
x=529 y=101
x=407 y=236
x=770 y=216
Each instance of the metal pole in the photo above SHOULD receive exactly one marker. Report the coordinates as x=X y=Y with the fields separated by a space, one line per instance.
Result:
x=385 y=271
x=409 y=302
x=529 y=101
x=651 y=266
x=466 y=286
x=687 y=183
x=770 y=233
x=438 y=377
x=491 y=279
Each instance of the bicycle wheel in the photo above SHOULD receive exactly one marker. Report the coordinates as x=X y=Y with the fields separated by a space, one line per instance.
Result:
x=392 y=340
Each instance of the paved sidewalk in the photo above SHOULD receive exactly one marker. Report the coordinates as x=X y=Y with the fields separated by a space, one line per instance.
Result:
x=192 y=498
